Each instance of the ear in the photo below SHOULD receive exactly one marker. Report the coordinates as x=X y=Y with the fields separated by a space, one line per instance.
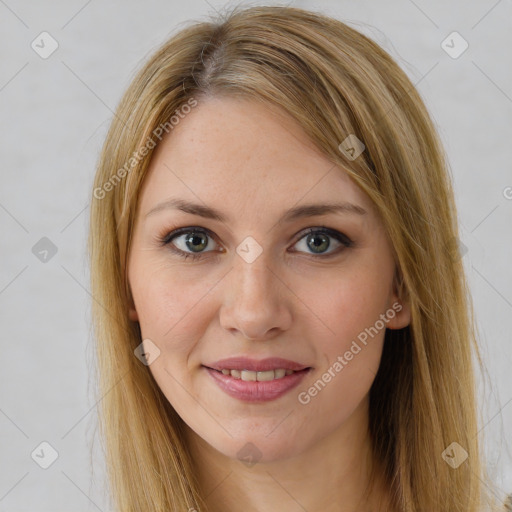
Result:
x=399 y=304
x=132 y=312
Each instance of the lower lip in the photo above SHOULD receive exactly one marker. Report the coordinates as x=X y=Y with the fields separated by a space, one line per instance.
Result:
x=254 y=391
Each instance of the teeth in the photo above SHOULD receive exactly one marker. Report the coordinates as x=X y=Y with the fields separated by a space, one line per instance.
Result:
x=248 y=375
x=262 y=376
x=279 y=374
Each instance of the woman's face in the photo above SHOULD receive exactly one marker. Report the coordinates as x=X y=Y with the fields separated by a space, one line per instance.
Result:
x=269 y=279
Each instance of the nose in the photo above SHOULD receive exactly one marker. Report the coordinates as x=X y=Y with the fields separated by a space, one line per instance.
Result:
x=256 y=302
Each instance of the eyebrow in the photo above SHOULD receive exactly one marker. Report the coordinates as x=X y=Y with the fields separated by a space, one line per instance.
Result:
x=308 y=210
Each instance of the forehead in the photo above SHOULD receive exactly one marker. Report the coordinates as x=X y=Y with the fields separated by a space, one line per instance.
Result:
x=232 y=152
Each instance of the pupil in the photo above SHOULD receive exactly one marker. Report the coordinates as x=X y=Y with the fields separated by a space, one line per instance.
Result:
x=197 y=241
x=319 y=243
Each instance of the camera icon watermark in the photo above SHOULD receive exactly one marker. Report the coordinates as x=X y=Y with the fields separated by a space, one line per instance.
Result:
x=44 y=250
x=44 y=455
x=454 y=455
x=249 y=249
x=44 y=45
x=454 y=45
x=147 y=352
x=456 y=249
x=249 y=454
x=352 y=147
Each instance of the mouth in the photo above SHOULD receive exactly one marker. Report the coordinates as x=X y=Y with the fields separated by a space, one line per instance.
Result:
x=261 y=376
x=257 y=381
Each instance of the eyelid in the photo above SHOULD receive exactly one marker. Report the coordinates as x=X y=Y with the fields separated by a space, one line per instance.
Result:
x=344 y=242
x=173 y=233
x=334 y=233
x=166 y=241
x=340 y=237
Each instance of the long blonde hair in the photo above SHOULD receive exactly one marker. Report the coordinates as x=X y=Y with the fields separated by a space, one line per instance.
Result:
x=334 y=82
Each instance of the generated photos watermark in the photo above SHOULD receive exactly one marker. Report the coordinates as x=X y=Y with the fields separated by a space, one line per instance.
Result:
x=305 y=397
x=138 y=156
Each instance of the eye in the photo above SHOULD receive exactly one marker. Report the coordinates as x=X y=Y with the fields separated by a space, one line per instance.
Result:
x=318 y=240
x=192 y=242
x=183 y=240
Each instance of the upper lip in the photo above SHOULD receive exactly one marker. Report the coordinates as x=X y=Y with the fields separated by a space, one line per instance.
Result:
x=262 y=365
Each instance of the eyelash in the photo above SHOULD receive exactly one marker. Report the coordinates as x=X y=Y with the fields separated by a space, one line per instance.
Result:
x=166 y=240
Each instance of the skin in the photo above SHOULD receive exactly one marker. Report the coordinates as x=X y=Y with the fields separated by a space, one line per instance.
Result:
x=253 y=163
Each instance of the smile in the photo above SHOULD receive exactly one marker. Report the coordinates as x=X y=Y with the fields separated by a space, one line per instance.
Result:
x=252 y=386
x=248 y=375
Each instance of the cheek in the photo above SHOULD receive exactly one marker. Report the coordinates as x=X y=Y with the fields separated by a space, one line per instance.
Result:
x=349 y=351
x=350 y=302
x=350 y=305
x=171 y=310
x=169 y=303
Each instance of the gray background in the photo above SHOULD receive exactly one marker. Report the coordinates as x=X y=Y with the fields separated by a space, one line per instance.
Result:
x=54 y=117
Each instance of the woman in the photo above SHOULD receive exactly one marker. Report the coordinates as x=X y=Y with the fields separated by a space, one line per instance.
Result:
x=281 y=313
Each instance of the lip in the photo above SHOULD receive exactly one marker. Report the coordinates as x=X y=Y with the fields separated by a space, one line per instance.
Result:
x=256 y=391
x=263 y=365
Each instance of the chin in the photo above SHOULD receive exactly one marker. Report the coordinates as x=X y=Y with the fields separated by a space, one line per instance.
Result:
x=252 y=449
